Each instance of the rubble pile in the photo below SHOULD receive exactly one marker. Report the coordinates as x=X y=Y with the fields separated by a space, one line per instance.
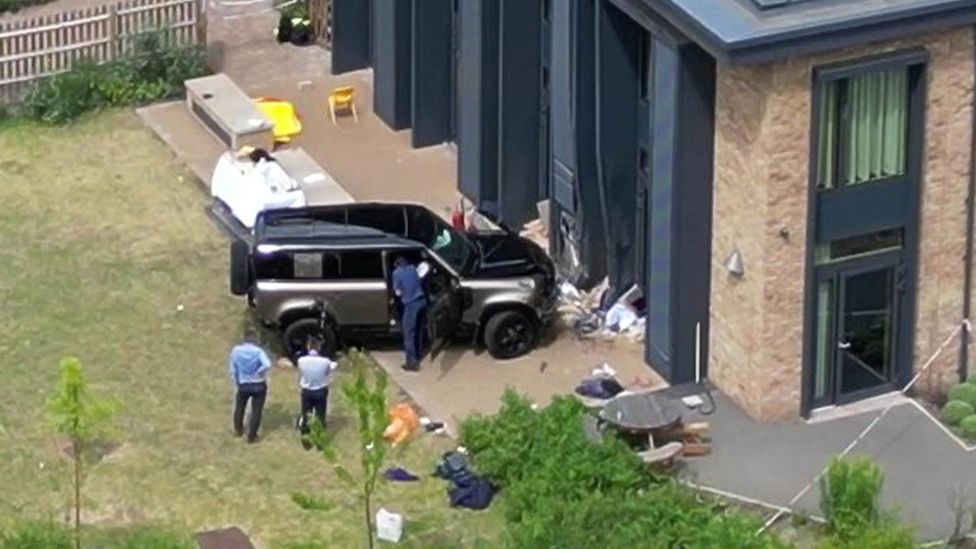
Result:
x=536 y=232
x=584 y=312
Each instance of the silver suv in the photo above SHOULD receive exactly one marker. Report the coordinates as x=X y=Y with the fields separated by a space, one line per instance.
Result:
x=326 y=271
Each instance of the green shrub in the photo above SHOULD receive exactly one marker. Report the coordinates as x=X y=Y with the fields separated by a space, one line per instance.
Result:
x=850 y=491
x=954 y=411
x=965 y=392
x=886 y=535
x=10 y=6
x=154 y=70
x=36 y=535
x=562 y=490
x=968 y=427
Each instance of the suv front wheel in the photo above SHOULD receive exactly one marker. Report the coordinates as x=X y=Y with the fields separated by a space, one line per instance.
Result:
x=298 y=332
x=509 y=334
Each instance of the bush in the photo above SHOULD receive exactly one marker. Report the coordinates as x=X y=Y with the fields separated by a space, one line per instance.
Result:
x=49 y=535
x=562 y=490
x=849 y=492
x=965 y=392
x=10 y=6
x=954 y=411
x=155 y=70
x=968 y=427
x=887 y=535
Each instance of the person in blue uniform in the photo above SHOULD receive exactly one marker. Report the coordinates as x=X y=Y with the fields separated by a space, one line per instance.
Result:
x=409 y=289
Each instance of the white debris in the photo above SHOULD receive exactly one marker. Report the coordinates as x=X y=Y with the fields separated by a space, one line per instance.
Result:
x=179 y=308
x=389 y=526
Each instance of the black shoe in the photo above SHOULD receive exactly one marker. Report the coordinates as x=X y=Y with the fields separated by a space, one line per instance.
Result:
x=238 y=434
x=252 y=440
x=410 y=368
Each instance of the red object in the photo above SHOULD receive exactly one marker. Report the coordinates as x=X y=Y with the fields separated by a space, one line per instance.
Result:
x=457 y=219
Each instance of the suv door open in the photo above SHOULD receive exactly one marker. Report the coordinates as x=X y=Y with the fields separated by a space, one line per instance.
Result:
x=446 y=301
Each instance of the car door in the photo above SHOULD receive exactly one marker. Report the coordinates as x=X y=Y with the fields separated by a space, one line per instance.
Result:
x=445 y=298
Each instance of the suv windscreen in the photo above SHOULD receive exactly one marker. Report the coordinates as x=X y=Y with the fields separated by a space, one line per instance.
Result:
x=441 y=238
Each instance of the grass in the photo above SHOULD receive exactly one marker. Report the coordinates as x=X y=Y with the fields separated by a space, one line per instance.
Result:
x=104 y=237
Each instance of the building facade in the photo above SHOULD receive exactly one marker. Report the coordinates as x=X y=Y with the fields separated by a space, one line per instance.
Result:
x=790 y=182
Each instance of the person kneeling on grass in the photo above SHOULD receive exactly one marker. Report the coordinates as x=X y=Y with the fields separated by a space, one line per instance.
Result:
x=314 y=375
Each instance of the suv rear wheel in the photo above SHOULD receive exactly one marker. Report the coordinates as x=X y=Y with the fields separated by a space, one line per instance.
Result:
x=298 y=332
x=509 y=334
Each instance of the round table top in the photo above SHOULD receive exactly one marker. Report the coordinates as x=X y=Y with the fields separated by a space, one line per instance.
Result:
x=641 y=412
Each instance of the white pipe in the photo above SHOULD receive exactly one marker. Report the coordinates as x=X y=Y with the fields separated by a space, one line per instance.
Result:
x=698 y=352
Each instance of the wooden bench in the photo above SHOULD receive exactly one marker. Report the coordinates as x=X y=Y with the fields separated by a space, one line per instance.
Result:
x=228 y=113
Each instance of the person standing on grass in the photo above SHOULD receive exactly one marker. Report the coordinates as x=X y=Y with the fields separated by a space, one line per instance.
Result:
x=314 y=375
x=248 y=367
x=409 y=289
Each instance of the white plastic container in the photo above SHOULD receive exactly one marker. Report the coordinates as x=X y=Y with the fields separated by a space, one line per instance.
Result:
x=389 y=526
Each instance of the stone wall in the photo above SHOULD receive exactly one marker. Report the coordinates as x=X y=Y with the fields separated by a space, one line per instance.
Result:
x=760 y=208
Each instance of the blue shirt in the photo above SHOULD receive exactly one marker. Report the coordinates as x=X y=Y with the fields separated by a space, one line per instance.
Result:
x=248 y=363
x=406 y=284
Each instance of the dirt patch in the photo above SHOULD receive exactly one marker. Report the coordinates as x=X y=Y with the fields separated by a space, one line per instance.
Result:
x=226 y=538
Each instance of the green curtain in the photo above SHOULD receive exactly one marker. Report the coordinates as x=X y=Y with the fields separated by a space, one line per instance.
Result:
x=828 y=135
x=877 y=116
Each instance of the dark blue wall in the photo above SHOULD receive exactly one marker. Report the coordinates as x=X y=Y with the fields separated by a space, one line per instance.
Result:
x=350 y=35
x=431 y=69
x=392 y=24
x=617 y=43
x=478 y=103
x=519 y=92
x=680 y=213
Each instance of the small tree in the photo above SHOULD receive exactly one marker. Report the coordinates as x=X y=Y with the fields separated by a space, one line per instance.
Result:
x=82 y=418
x=368 y=398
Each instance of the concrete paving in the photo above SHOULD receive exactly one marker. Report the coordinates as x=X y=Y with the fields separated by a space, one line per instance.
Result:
x=773 y=462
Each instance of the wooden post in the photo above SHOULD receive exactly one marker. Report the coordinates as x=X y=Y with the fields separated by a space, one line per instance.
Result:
x=200 y=15
x=113 y=32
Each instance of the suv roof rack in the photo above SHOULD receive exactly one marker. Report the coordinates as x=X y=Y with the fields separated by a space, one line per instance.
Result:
x=318 y=223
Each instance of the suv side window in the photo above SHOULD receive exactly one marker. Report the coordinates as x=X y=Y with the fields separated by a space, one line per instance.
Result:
x=275 y=266
x=386 y=218
x=362 y=265
x=316 y=266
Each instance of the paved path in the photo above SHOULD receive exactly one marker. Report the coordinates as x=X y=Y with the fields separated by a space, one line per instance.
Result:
x=773 y=462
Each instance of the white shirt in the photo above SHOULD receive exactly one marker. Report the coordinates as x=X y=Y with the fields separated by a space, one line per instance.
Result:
x=315 y=371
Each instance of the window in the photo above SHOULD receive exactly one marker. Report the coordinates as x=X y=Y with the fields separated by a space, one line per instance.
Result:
x=863 y=128
x=274 y=266
x=383 y=218
x=858 y=246
x=308 y=265
x=362 y=265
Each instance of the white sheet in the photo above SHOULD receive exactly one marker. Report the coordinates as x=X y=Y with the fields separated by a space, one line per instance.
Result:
x=248 y=189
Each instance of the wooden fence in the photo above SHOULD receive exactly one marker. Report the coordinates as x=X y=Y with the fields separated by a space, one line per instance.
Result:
x=320 y=12
x=32 y=49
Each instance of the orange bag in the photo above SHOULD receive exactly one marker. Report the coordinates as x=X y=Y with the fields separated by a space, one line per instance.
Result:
x=403 y=422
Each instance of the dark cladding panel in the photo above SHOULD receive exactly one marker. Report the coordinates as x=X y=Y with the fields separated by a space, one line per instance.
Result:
x=617 y=84
x=519 y=90
x=391 y=61
x=478 y=102
x=431 y=113
x=350 y=35
x=563 y=138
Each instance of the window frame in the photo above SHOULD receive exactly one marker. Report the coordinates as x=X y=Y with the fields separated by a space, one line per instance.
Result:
x=915 y=62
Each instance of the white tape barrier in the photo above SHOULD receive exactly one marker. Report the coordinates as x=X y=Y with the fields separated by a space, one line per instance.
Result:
x=864 y=432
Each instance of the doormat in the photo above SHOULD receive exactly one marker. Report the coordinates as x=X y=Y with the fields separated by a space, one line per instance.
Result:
x=225 y=538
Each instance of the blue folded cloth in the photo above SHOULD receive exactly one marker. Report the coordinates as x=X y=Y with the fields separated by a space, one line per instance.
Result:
x=399 y=474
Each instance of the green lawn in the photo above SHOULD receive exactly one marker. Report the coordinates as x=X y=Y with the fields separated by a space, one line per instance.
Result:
x=104 y=236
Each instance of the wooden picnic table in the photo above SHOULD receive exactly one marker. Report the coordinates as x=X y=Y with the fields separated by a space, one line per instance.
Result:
x=641 y=413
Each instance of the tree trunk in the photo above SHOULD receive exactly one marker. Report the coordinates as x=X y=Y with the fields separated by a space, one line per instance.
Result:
x=76 y=456
x=369 y=519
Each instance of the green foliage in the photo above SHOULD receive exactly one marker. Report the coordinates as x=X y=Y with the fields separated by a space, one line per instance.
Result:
x=295 y=10
x=73 y=410
x=965 y=392
x=81 y=417
x=954 y=411
x=155 y=69
x=850 y=493
x=49 y=535
x=11 y=6
x=563 y=490
x=367 y=394
x=968 y=427
x=310 y=503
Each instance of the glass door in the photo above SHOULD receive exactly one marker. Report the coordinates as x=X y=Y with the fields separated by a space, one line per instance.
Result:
x=866 y=321
x=856 y=326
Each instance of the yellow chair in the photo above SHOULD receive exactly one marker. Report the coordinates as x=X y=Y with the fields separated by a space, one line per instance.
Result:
x=287 y=123
x=343 y=98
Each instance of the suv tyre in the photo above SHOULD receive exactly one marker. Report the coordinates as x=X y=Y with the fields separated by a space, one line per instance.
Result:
x=509 y=334
x=298 y=332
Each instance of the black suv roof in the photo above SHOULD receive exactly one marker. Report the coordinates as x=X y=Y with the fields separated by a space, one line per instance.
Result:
x=324 y=226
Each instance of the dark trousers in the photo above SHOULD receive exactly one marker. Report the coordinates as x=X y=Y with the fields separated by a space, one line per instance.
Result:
x=413 y=324
x=317 y=401
x=256 y=393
